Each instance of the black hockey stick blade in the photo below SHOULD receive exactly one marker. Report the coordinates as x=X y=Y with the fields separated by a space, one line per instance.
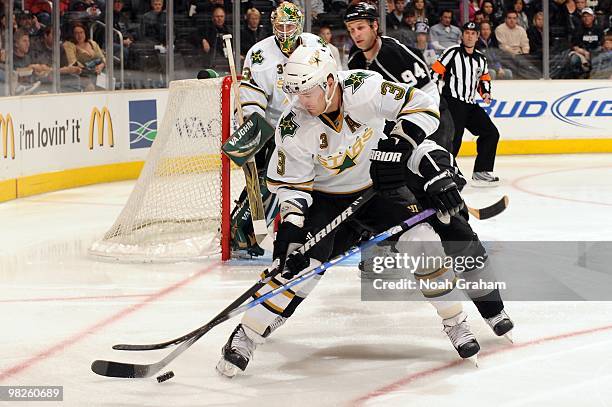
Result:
x=119 y=369
x=490 y=211
x=317 y=237
x=137 y=371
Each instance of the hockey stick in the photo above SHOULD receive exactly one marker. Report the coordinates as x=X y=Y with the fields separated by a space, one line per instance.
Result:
x=268 y=275
x=133 y=370
x=250 y=170
x=491 y=210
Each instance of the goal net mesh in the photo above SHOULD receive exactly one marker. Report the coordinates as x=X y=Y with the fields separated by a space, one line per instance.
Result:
x=174 y=212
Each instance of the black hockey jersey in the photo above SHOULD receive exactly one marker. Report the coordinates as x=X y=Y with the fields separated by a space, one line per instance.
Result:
x=398 y=63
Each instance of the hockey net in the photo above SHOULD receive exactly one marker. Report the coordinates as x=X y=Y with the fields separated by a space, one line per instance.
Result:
x=179 y=209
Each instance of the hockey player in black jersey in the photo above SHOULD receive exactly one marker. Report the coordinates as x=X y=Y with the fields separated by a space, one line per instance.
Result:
x=397 y=62
x=394 y=61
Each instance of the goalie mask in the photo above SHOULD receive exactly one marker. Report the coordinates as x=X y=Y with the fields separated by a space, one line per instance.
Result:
x=307 y=68
x=287 y=25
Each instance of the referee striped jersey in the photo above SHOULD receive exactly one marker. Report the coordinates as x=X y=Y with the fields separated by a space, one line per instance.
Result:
x=463 y=74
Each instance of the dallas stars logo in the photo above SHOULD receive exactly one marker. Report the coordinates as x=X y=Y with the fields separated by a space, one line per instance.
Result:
x=355 y=80
x=347 y=162
x=315 y=59
x=288 y=126
x=257 y=57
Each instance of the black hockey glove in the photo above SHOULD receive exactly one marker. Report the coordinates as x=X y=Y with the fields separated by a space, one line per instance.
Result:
x=288 y=238
x=444 y=193
x=388 y=163
x=296 y=262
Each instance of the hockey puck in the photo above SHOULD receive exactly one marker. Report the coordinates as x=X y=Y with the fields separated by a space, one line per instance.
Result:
x=166 y=376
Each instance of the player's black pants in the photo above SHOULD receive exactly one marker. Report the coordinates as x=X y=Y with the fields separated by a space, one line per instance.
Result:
x=475 y=119
x=377 y=215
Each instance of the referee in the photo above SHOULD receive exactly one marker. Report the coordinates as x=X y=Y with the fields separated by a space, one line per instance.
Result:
x=463 y=69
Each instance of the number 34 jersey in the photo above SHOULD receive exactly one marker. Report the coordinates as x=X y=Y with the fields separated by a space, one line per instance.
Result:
x=331 y=155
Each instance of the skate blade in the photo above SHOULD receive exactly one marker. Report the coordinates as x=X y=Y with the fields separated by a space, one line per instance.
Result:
x=509 y=337
x=473 y=359
x=227 y=369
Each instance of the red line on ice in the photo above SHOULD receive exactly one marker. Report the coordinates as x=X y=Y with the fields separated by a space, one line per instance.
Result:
x=53 y=299
x=58 y=347
x=404 y=381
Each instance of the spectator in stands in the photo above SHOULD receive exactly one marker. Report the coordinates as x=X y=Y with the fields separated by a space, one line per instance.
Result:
x=121 y=23
x=473 y=7
x=212 y=39
x=573 y=15
x=153 y=27
x=423 y=12
x=424 y=44
x=444 y=34
x=396 y=17
x=410 y=20
x=479 y=17
x=534 y=33
x=403 y=33
x=28 y=22
x=522 y=20
x=587 y=40
x=28 y=71
x=326 y=34
x=499 y=9
x=487 y=44
x=490 y=14
x=42 y=51
x=580 y=4
x=602 y=63
x=253 y=32
x=85 y=53
x=511 y=37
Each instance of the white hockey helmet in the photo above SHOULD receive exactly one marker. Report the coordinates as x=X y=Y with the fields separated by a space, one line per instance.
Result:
x=308 y=67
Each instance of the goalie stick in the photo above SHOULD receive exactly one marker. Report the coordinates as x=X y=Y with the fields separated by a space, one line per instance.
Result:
x=491 y=210
x=133 y=370
x=258 y=217
x=268 y=275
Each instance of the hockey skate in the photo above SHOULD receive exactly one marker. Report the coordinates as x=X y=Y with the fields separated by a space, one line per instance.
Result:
x=461 y=337
x=502 y=325
x=238 y=351
x=484 y=179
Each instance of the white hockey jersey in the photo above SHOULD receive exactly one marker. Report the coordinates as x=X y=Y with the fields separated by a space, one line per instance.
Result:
x=318 y=154
x=262 y=77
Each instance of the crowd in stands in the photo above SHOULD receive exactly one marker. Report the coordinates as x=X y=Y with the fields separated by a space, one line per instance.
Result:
x=510 y=36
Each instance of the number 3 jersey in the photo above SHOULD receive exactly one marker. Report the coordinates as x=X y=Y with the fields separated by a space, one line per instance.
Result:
x=332 y=155
x=398 y=63
x=262 y=77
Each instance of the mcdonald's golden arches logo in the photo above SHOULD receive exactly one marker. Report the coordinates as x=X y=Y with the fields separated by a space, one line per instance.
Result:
x=6 y=125
x=101 y=117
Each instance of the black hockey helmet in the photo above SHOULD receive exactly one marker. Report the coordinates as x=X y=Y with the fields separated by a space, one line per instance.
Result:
x=361 y=11
x=470 y=25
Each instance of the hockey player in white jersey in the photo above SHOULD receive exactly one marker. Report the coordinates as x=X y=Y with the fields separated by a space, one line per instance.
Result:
x=321 y=163
x=261 y=92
